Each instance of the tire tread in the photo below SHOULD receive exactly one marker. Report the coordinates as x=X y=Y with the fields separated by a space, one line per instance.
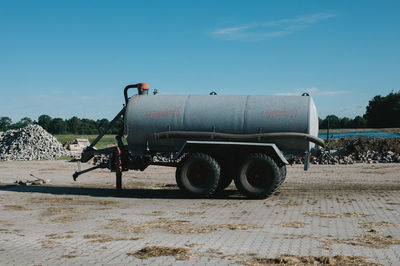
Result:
x=210 y=161
x=277 y=181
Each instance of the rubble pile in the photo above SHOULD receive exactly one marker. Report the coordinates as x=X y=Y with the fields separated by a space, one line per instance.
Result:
x=363 y=144
x=364 y=157
x=78 y=146
x=360 y=150
x=30 y=143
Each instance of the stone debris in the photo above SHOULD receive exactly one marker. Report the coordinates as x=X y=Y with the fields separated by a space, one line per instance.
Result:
x=158 y=251
x=360 y=150
x=77 y=146
x=30 y=143
x=30 y=182
x=37 y=181
x=287 y=259
x=101 y=159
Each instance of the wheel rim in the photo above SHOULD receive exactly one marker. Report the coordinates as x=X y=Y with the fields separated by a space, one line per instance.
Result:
x=198 y=174
x=258 y=174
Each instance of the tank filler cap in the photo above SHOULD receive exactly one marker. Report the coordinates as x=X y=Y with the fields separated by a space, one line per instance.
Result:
x=143 y=88
x=305 y=94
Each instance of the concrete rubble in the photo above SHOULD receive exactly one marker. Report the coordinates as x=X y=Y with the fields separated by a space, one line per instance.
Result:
x=360 y=150
x=77 y=146
x=36 y=181
x=30 y=143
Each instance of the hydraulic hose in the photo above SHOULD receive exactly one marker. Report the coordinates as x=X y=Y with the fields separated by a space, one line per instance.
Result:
x=237 y=137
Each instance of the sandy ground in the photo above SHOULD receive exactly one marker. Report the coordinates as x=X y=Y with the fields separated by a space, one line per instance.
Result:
x=348 y=211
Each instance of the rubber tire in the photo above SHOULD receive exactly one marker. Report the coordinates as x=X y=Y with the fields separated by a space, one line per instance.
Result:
x=282 y=169
x=228 y=171
x=270 y=182
x=205 y=165
x=225 y=179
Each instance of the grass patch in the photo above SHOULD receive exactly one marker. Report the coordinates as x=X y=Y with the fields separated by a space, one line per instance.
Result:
x=287 y=259
x=57 y=210
x=56 y=236
x=64 y=158
x=71 y=255
x=294 y=224
x=156 y=213
x=105 y=140
x=65 y=219
x=191 y=213
x=14 y=208
x=157 y=251
x=370 y=239
x=334 y=215
x=50 y=244
x=100 y=238
x=184 y=227
x=365 y=224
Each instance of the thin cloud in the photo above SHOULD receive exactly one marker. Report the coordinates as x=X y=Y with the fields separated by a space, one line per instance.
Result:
x=287 y=94
x=331 y=92
x=312 y=92
x=230 y=30
x=316 y=91
x=269 y=29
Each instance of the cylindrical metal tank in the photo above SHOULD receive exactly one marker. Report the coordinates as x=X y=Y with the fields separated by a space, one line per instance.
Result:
x=149 y=114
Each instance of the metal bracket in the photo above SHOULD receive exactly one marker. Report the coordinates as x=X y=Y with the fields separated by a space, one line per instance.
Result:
x=78 y=173
x=306 y=160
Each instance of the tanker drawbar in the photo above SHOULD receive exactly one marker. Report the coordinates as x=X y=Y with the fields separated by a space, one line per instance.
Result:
x=212 y=140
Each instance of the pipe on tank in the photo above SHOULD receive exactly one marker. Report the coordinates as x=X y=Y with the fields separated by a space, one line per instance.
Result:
x=143 y=89
x=237 y=137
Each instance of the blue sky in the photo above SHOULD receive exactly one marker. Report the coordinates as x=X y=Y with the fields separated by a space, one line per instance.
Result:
x=73 y=58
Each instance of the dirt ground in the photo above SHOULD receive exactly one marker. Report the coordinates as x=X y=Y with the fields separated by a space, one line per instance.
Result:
x=331 y=214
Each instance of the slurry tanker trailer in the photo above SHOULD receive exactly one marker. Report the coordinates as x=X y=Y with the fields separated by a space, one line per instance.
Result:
x=211 y=139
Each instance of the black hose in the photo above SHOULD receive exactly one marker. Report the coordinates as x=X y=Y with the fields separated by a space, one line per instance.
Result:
x=237 y=137
x=126 y=91
x=108 y=127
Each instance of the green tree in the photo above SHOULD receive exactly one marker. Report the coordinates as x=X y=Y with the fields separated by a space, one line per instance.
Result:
x=117 y=126
x=57 y=126
x=88 y=126
x=334 y=122
x=44 y=121
x=345 y=122
x=22 y=123
x=359 y=122
x=384 y=111
x=5 y=123
x=101 y=124
x=73 y=125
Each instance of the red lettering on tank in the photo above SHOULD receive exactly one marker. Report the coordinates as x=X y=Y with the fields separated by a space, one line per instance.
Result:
x=162 y=114
x=273 y=113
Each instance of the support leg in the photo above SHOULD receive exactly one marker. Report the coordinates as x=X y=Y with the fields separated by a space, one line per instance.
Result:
x=306 y=161
x=118 y=170
x=118 y=181
x=78 y=173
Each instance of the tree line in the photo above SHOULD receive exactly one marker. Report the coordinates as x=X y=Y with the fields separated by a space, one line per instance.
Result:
x=74 y=125
x=382 y=111
x=332 y=121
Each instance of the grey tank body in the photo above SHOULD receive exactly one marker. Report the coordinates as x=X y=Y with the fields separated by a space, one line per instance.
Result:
x=233 y=114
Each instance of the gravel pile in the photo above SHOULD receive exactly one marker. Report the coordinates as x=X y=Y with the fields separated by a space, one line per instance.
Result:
x=361 y=150
x=362 y=144
x=356 y=157
x=30 y=143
